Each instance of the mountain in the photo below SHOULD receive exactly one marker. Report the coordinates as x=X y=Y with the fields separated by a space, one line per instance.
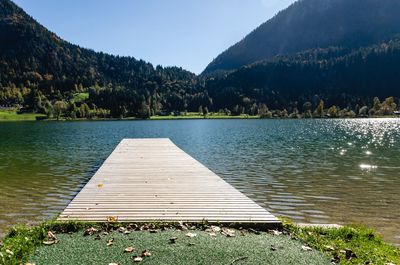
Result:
x=308 y=24
x=40 y=72
x=343 y=77
x=37 y=66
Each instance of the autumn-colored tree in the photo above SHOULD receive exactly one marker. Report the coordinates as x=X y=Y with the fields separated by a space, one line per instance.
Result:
x=59 y=108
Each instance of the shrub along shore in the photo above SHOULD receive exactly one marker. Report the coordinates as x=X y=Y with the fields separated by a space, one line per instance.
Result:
x=77 y=108
x=201 y=243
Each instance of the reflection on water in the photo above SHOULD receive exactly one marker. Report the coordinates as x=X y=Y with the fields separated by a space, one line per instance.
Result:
x=319 y=171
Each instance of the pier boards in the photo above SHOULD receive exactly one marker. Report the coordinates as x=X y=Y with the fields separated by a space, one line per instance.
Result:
x=146 y=180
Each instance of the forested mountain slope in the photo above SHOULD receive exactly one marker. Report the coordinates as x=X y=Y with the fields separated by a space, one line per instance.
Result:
x=342 y=77
x=37 y=66
x=308 y=24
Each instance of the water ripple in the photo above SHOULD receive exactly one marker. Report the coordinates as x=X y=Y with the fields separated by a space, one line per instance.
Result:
x=318 y=171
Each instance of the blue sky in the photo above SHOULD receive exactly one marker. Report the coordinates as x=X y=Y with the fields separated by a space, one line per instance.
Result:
x=186 y=33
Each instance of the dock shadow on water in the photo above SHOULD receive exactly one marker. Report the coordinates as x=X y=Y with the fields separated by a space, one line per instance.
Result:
x=318 y=171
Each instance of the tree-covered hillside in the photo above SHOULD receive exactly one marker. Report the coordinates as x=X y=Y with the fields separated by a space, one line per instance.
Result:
x=341 y=77
x=314 y=24
x=37 y=68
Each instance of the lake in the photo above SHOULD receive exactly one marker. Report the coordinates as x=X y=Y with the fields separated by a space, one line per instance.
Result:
x=317 y=171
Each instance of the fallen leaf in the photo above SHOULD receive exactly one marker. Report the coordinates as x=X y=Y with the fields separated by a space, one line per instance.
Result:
x=100 y=185
x=181 y=226
x=254 y=231
x=137 y=259
x=275 y=232
x=50 y=242
x=110 y=242
x=127 y=232
x=112 y=219
x=273 y=248
x=191 y=235
x=144 y=227
x=113 y=263
x=349 y=253
x=145 y=253
x=129 y=250
x=133 y=226
x=172 y=240
x=191 y=244
x=335 y=260
x=29 y=263
x=228 y=232
x=329 y=248
x=90 y=231
x=121 y=229
x=153 y=231
x=212 y=234
x=306 y=248
x=215 y=229
x=51 y=236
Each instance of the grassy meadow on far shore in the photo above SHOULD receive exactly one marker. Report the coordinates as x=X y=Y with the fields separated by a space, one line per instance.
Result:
x=11 y=115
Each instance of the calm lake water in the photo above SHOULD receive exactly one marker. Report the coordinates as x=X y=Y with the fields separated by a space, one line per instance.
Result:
x=318 y=171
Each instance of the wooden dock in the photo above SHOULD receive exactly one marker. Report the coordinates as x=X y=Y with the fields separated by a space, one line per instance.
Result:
x=147 y=180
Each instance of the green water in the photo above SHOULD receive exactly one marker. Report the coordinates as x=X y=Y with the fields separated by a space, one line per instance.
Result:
x=319 y=171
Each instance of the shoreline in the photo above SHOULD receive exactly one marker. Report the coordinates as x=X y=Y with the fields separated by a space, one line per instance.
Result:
x=33 y=118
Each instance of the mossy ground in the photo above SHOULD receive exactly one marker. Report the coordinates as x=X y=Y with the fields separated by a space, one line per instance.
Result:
x=347 y=245
x=244 y=248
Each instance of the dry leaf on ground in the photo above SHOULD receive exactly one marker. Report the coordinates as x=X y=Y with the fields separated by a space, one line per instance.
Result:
x=172 y=240
x=90 y=231
x=110 y=242
x=215 y=229
x=50 y=242
x=191 y=235
x=275 y=232
x=145 y=253
x=228 y=232
x=137 y=259
x=51 y=236
x=306 y=248
x=129 y=250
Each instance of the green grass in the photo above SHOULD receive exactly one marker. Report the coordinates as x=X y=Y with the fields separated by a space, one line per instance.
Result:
x=25 y=244
x=9 y=115
x=369 y=248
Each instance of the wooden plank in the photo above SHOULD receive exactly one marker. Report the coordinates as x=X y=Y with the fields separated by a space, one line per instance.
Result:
x=146 y=180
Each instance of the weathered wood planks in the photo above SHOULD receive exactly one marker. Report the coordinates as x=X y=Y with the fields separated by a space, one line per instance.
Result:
x=146 y=180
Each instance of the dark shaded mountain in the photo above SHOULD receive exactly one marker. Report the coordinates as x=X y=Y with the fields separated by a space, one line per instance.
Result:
x=339 y=76
x=309 y=24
